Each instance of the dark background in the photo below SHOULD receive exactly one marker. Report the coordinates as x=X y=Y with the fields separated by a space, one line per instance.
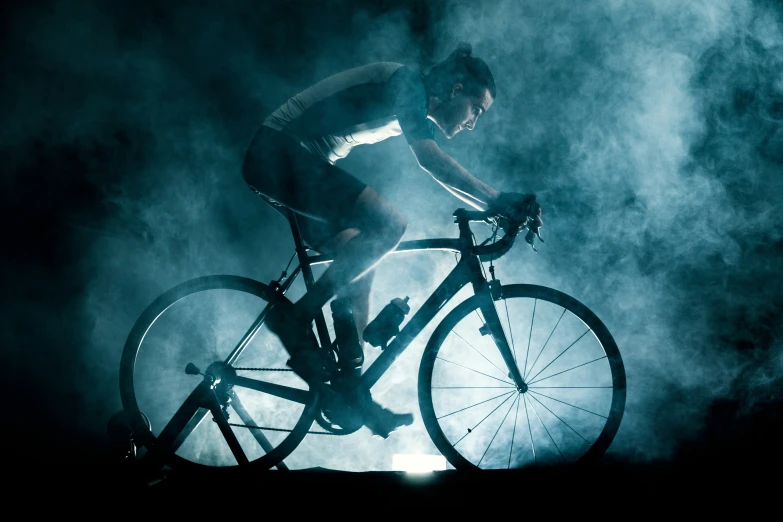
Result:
x=652 y=132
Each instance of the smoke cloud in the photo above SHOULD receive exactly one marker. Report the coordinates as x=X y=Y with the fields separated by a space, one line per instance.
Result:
x=650 y=130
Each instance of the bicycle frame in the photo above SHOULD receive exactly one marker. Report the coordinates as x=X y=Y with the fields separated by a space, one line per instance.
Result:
x=468 y=270
x=203 y=399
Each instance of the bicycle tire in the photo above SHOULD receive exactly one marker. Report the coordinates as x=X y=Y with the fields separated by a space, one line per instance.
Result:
x=133 y=345
x=568 y=303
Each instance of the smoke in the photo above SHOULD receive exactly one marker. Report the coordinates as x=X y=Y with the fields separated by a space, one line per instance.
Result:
x=617 y=125
x=651 y=131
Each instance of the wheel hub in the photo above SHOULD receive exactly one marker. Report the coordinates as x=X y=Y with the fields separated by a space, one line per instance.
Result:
x=522 y=388
x=218 y=372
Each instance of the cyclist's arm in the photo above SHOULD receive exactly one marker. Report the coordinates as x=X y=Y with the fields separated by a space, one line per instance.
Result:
x=453 y=176
x=410 y=107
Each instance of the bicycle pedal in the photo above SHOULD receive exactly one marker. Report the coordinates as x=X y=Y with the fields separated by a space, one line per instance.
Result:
x=383 y=422
x=339 y=410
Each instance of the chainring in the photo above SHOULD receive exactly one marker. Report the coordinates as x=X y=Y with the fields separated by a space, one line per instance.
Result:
x=338 y=417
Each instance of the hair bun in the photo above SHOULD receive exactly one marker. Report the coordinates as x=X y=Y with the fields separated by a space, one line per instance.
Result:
x=463 y=50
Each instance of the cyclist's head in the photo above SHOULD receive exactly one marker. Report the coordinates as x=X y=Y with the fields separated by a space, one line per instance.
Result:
x=462 y=88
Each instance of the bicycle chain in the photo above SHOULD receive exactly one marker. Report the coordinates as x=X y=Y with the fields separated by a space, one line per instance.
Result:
x=265 y=369
x=279 y=429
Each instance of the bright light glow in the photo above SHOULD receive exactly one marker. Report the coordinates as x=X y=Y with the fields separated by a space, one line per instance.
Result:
x=418 y=463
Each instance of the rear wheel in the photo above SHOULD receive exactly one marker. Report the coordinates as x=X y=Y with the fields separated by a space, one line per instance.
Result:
x=571 y=403
x=208 y=416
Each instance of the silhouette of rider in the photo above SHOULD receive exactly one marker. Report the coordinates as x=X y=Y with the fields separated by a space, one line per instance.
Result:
x=291 y=164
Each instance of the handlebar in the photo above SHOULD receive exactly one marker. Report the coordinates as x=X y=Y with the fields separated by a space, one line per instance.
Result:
x=504 y=244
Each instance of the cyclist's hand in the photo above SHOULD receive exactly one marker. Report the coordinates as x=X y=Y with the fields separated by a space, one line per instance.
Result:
x=521 y=209
x=514 y=209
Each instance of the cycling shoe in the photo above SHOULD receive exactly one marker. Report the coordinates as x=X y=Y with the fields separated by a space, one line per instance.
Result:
x=383 y=422
x=353 y=407
x=378 y=419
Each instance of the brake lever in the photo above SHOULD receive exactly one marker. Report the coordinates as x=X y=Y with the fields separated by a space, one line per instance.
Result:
x=533 y=231
x=530 y=238
x=493 y=221
x=530 y=223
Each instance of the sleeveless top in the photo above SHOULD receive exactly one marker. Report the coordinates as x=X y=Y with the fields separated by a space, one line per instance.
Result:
x=364 y=105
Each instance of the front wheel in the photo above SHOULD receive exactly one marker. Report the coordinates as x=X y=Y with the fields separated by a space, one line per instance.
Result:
x=567 y=410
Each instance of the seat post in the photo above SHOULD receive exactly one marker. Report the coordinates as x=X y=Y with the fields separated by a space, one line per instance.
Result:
x=301 y=249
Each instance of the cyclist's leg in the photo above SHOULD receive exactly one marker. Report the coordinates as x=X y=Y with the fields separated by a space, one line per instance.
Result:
x=376 y=229
x=279 y=168
x=380 y=228
x=359 y=290
x=359 y=294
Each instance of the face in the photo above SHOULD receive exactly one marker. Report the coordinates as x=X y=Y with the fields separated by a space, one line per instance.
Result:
x=461 y=111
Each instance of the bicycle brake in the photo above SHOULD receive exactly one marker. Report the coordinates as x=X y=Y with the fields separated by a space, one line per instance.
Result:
x=533 y=232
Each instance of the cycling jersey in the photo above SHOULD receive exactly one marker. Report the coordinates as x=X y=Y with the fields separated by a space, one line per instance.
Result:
x=359 y=106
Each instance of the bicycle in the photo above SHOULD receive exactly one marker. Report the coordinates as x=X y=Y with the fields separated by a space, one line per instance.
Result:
x=470 y=364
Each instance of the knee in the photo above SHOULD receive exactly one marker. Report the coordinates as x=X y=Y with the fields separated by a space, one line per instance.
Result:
x=394 y=225
x=377 y=217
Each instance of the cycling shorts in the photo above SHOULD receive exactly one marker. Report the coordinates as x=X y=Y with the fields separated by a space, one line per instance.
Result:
x=287 y=176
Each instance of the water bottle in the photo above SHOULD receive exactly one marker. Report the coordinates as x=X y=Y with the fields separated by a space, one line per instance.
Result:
x=387 y=324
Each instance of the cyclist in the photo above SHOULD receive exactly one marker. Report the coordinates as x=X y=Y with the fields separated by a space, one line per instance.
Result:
x=291 y=164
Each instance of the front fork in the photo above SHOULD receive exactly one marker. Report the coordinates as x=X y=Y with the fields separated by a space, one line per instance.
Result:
x=488 y=293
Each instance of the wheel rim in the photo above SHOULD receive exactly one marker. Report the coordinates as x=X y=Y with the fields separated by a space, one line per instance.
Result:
x=570 y=407
x=159 y=332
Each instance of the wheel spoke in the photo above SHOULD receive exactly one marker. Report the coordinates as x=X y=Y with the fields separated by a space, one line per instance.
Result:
x=547 y=341
x=513 y=434
x=284 y=392
x=541 y=387
x=247 y=419
x=580 y=429
x=475 y=371
x=547 y=432
x=569 y=404
x=530 y=430
x=472 y=405
x=497 y=431
x=482 y=420
x=530 y=336
x=465 y=387
x=561 y=420
x=568 y=370
x=561 y=353
x=478 y=352
x=498 y=335
x=194 y=316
